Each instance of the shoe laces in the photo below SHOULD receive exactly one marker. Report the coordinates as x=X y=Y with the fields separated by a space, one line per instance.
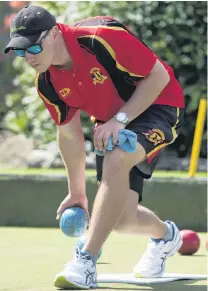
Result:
x=153 y=252
x=79 y=260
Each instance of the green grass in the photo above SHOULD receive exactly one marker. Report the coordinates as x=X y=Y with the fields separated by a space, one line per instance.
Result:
x=91 y=172
x=30 y=258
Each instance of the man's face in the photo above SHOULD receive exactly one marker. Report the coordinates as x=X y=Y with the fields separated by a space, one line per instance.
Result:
x=42 y=61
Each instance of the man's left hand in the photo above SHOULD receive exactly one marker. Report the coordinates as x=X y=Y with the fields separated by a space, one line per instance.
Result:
x=104 y=131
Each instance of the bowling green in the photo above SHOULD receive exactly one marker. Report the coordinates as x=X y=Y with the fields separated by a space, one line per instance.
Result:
x=30 y=257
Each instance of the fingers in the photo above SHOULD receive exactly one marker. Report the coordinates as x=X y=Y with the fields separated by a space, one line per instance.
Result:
x=106 y=139
x=61 y=209
x=101 y=139
x=96 y=134
x=70 y=202
x=59 y=212
x=103 y=133
x=115 y=137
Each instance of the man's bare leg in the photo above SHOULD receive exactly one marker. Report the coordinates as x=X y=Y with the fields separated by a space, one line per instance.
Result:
x=139 y=220
x=111 y=208
x=112 y=197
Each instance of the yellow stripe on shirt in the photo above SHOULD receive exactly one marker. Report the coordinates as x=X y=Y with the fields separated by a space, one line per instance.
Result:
x=112 y=53
x=46 y=100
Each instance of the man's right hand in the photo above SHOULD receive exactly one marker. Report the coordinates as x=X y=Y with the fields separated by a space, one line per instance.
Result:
x=71 y=201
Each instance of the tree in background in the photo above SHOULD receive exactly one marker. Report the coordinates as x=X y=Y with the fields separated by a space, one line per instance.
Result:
x=8 y=73
x=175 y=31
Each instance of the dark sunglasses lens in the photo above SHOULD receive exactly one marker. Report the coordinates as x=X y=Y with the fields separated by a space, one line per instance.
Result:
x=35 y=49
x=20 y=53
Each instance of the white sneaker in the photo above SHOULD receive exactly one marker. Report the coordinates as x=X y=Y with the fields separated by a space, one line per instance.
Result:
x=80 y=273
x=152 y=263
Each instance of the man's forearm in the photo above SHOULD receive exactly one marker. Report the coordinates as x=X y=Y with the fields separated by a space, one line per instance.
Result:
x=147 y=92
x=72 y=151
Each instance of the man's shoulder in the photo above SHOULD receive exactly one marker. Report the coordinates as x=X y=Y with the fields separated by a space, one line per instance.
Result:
x=96 y=24
x=93 y=21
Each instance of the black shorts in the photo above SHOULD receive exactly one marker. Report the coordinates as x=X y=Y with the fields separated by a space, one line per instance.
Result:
x=156 y=128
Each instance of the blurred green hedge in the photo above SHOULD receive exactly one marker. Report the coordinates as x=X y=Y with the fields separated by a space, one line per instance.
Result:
x=175 y=30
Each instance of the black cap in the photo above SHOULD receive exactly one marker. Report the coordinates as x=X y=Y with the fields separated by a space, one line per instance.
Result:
x=27 y=26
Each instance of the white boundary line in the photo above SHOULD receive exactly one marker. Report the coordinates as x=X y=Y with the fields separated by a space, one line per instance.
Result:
x=130 y=279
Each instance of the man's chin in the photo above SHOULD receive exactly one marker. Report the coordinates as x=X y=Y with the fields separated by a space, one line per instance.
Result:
x=40 y=69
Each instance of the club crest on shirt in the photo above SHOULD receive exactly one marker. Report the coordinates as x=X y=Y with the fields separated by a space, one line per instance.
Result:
x=64 y=92
x=97 y=76
x=155 y=135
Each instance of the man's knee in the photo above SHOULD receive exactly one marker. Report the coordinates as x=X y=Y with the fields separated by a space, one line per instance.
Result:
x=118 y=159
x=115 y=160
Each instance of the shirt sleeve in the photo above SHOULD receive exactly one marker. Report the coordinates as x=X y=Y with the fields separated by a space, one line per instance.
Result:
x=60 y=112
x=130 y=54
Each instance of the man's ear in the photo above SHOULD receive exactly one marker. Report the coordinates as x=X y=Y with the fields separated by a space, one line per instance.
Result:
x=55 y=32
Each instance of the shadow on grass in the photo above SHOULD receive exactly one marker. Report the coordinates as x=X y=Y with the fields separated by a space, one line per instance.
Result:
x=181 y=285
x=201 y=255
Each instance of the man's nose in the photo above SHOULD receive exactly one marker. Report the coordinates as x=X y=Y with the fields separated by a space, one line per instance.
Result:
x=30 y=59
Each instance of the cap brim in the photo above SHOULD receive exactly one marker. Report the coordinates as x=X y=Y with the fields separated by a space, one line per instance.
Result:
x=22 y=42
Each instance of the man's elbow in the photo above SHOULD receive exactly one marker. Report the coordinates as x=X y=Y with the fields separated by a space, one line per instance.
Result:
x=160 y=72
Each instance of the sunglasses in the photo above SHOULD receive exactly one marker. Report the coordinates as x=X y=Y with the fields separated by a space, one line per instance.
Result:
x=33 y=50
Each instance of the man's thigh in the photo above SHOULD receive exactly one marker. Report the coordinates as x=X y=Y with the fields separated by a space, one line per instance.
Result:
x=135 y=179
x=156 y=128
